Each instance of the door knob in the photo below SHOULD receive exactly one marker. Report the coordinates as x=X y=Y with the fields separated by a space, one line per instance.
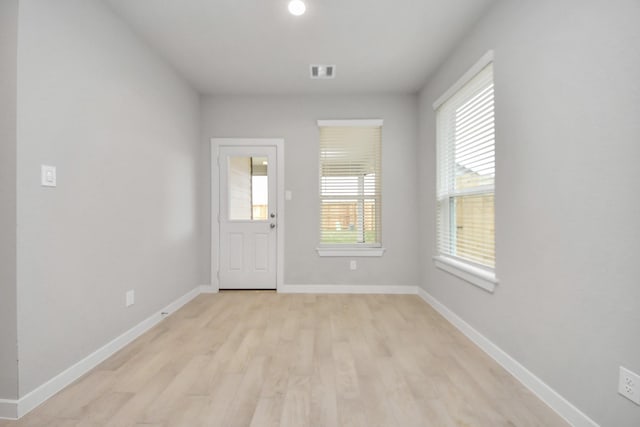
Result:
x=272 y=225
x=273 y=215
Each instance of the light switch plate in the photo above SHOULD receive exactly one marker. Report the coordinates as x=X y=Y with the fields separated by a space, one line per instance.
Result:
x=130 y=298
x=48 y=176
x=288 y=195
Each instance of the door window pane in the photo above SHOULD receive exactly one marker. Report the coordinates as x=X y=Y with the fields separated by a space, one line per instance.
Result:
x=248 y=188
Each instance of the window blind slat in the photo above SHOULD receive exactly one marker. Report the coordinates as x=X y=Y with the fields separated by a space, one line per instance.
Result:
x=466 y=172
x=350 y=185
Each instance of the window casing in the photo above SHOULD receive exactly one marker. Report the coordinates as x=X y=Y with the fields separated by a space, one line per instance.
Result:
x=350 y=186
x=465 y=133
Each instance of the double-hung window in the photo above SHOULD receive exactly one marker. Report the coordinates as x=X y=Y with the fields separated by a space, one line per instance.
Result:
x=465 y=134
x=350 y=187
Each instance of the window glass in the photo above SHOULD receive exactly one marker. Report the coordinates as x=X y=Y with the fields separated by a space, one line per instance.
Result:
x=248 y=188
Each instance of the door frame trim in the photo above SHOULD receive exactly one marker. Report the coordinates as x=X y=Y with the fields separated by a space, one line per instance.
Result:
x=216 y=143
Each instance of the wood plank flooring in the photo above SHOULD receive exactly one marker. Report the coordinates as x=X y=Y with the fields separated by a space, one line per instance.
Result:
x=266 y=359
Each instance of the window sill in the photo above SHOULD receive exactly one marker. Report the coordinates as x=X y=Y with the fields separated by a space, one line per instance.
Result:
x=351 y=252
x=476 y=276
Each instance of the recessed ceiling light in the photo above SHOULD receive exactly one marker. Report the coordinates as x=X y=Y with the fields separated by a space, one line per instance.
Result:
x=297 y=7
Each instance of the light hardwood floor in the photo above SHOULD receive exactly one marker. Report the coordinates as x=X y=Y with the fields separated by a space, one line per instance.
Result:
x=267 y=359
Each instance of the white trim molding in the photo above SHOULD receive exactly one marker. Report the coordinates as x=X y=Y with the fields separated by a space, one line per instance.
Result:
x=555 y=401
x=480 y=277
x=208 y=289
x=348 y=289
x=8 y=409
x=351 y=122
x=485 y=60
x=13 y=409
x=350 y=252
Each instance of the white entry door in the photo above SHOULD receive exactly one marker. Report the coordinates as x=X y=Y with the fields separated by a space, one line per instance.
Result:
x=248 y=217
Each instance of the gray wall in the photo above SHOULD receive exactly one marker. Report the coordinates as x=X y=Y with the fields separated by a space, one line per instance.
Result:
x=294 y=119
x=568 y=146
x=8 y=328
x=123 y=130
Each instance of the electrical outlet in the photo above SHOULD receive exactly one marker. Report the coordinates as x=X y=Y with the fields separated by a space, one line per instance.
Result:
x=629 y=385
x=130 y=298
x=353 y=265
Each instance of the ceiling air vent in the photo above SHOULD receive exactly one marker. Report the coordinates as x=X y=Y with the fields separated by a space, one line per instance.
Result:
x=323 y=71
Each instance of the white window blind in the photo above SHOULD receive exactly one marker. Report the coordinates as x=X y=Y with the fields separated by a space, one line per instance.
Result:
x=350 y=183
x=466 y=172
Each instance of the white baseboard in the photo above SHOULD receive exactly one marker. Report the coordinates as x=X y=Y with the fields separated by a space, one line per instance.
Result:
x=555 y=401
x=347 y=289
x=8 y=409
x=13 y=409
x=208 y=289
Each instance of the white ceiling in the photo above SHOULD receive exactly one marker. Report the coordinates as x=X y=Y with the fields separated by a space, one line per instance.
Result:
x=257 y=47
